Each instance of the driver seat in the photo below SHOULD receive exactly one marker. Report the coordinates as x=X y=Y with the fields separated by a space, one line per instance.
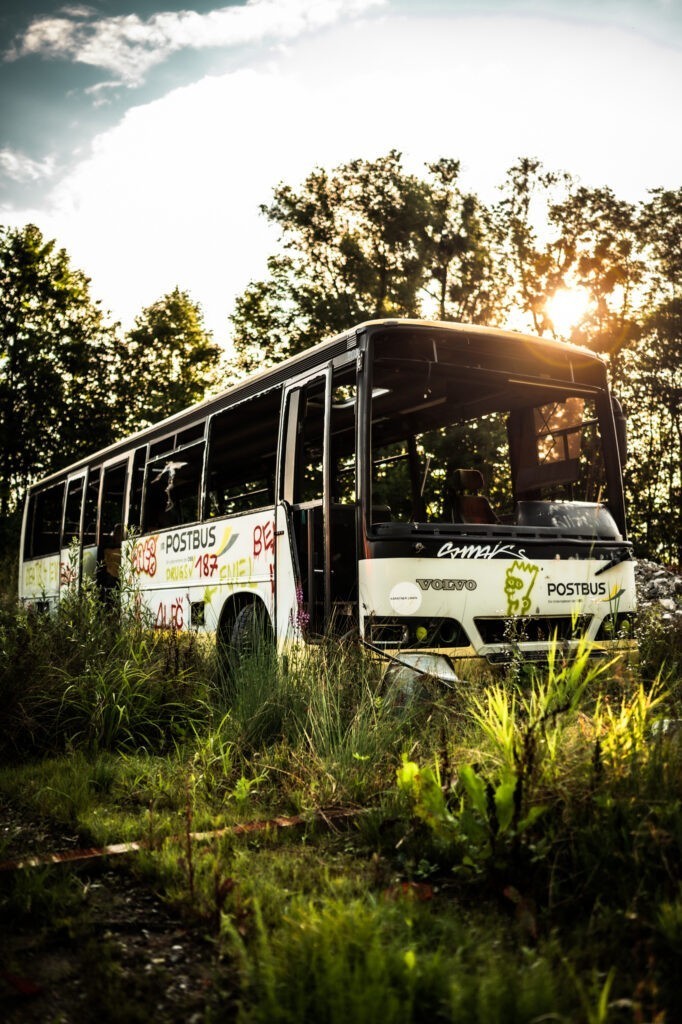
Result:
x=469 y=505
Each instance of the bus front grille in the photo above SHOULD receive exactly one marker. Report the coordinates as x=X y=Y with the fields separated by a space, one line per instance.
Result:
x=532 y=629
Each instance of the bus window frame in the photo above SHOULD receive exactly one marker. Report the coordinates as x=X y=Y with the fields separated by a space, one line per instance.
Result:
x=286 y=468
x=65 y=542
x=146 y=529
x=30 y=520
x=113 y=463
x=210 y=423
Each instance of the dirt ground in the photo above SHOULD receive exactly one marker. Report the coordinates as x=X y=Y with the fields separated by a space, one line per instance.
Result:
x=117 y=953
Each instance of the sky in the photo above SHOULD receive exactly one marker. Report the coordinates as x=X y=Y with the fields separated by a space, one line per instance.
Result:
x=144 y=135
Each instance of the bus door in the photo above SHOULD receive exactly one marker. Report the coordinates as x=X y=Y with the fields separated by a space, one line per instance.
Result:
x=70 y=546
x=111 y=522
x=317 y=506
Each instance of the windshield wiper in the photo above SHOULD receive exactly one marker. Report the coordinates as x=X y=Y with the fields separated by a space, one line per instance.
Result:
x=622 y=556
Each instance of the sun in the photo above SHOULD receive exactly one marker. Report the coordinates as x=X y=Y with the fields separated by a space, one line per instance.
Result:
x=565 y=309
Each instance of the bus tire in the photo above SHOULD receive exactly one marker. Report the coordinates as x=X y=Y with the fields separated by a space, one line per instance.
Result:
x=251 y=633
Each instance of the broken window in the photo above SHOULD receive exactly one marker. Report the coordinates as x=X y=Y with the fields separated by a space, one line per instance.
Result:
x=113 y=497
x=557 y=451
x=91 y=506
x=451 y=430
x=136 y=486
x=173 y=488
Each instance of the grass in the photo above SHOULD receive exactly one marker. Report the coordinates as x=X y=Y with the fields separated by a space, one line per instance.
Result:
x=515 y=855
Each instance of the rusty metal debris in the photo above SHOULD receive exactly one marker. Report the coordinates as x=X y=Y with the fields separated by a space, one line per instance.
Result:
x=117 y=849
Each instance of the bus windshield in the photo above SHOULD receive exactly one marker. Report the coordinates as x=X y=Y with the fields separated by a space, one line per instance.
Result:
x=474 y=435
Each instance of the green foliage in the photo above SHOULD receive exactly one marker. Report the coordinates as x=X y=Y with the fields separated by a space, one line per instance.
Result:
x=659 y=643
x=323 y=703
x=171 y=358
x=491 y=807
x=39 y=896
x=626 y=258
x=57 y=362
x=364 y=241
x=540 y=806
x=346 y=730
x=515 y=854
x=93 y=676
x=649 y=376
x=389 y=960
x=69 y=383
x=369 y=240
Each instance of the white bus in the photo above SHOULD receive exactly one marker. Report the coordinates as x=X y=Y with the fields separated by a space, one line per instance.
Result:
x=442 y=491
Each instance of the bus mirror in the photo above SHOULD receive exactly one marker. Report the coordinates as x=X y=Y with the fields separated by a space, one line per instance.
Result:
x=621 y=429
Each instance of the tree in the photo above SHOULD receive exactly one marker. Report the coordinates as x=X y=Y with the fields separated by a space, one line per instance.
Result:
x=602 y=237
x=365 y=241
x=651 y=381
x=169 y=362
x=536 y=259
x=465 y=266
x=627 y=260
x=57 y=362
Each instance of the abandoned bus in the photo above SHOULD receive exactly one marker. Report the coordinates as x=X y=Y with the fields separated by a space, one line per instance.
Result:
x=444 y=491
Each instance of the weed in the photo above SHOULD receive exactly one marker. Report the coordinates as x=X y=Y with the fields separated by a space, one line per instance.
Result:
x=547 y=803
x=394 y=961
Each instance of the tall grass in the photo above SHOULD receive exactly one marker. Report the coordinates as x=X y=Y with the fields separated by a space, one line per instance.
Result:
x=518 y=853
x=367 y=961
x=92 y=675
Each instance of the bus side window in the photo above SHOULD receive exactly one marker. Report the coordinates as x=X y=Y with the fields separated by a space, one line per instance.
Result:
x=91 y=506
x=44 y=524
x=173 y=488
x=111 y=507
x=72 y=512
x=241 y=456
x=134 y=518
x=110 y=524
x=308 y=475
x=30 y=526
x=343 y=406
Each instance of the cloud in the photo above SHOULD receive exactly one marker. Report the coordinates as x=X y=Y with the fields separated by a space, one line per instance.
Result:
x=170 y=196
x=129 y=46
x=21 y=168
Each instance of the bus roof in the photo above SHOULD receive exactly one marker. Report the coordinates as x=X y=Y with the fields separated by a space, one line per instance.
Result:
x=291 y=367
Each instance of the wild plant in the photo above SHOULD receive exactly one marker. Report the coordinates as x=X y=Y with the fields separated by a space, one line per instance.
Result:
x=623 y=734
x=394 y=959
x=492 y=804
x=93 y=674
x=659 y=643
x=594 y=997
x=346 y=729
x=213 y=756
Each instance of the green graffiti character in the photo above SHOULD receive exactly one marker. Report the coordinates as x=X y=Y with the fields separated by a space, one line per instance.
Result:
x=518 y=584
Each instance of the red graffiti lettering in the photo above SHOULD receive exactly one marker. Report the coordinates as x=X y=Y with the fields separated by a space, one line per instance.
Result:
x=207 y=565
x=144 y=556
x=171 y=616
x=263 y=538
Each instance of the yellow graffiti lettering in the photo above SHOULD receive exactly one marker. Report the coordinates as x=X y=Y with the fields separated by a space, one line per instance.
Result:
x=179 y=572
x=238 y=573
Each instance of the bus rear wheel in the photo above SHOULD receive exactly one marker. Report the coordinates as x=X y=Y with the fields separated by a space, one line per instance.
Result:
x=251 y=635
